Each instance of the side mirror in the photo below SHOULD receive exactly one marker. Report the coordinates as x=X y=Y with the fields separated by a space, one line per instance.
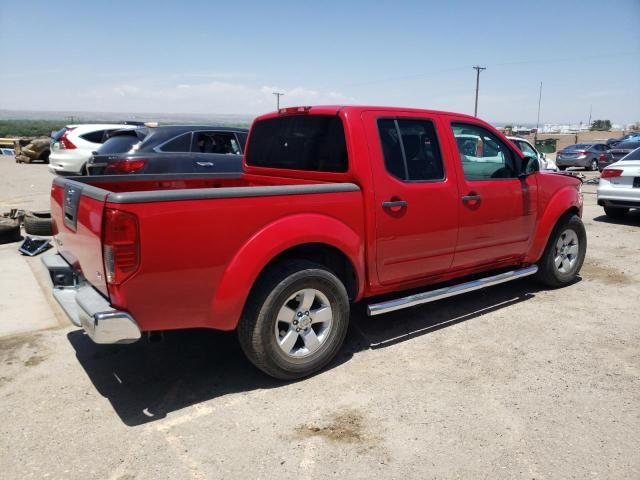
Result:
x=530 y=164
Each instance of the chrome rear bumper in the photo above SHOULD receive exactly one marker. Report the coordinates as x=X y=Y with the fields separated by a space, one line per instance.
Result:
x=86 y=308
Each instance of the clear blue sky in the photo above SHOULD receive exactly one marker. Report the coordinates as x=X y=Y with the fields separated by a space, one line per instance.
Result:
x=228 y=57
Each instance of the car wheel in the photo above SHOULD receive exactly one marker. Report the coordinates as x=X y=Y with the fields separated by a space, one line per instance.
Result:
x=38 y=223
x=9 y=230
x=594 y=165
x=295 y=320
x=615 y=212
x=562 y=168
x=564 y=254
x=44 y=156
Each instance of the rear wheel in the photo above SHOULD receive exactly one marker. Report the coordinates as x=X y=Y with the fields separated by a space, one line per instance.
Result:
x=562 y=168
x=615 y=212
x=564 y=254
x=295 y=320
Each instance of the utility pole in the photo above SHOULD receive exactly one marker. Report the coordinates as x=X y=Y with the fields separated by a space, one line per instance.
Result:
x=478 y=69
x=278 y=95
x=590 y=109
x=538 y=120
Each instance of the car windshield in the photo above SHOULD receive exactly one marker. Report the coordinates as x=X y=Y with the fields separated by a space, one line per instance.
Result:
x=635 y=155
x=58 y=134
x=627 y=145
x=118 y=144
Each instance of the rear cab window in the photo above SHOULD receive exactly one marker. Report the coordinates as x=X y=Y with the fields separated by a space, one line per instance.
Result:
x=299 y=142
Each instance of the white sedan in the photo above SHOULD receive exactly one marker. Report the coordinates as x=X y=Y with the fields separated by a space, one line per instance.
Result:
x=72 y=146
x=619 y=187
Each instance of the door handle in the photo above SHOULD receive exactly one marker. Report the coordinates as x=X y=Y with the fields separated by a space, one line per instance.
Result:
x=205 y=164
x=394 y=204
x=471 y=198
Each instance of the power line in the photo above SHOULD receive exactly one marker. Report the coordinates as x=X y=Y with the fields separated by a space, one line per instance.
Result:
x=478 y=69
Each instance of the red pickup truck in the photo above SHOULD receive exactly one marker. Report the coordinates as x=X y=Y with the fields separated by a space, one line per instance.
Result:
x=336 y=205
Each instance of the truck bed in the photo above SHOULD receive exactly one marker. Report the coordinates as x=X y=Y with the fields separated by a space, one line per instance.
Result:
x=190 y=233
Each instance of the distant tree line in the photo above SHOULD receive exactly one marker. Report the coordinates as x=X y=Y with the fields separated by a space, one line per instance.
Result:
x=29 y=128
x=600 y=126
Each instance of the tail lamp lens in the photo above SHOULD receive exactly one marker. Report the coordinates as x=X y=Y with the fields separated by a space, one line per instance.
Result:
x=125 y=166
x=121 y=245
x=65 y=143
x=610 y=172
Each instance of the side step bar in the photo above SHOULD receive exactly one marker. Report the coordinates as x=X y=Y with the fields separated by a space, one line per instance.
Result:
x=433 y=295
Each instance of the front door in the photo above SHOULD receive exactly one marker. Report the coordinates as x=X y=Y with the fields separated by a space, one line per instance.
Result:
x=498 y=209
x=416 y=197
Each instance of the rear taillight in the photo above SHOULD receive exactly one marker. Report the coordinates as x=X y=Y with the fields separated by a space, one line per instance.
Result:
x=65 y=143
x=582 y=152
x=610 y=172
x=602 y=157
x=125 y=166
x=120 y=245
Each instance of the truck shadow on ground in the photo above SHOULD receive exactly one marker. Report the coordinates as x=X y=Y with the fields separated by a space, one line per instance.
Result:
x=144 y=382
x=631 y=219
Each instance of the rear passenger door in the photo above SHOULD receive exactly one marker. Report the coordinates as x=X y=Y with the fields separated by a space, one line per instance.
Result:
x=215 y=151
x=416 y=197
x=498 y=209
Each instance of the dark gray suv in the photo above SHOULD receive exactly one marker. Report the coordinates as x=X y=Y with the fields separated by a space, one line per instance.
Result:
x=171 y=149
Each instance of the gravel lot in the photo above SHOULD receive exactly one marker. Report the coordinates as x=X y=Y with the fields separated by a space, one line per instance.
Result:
x=511 y=382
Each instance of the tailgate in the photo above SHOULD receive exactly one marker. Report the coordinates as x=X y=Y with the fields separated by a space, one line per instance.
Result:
x=77 y=210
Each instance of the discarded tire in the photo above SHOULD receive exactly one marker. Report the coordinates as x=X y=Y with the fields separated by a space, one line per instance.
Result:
x=9 y=230
x=38 y=223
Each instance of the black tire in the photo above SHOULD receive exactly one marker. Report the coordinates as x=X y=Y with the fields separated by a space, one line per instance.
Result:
x=44 y=156
x=548 y=273
x=9 y=230
x=562 y=168
x=594 y=166
x=615 y=212
x=38 y=223
x=257 y=328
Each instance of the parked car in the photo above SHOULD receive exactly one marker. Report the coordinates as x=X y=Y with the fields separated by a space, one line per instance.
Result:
x=36 y=150
x=335 y=205
x=119 y=142
x=619 y=186
x=618 y=152
x=629 y=137
x=177 y=149
x=73 y=145
x=585 y=155
x=528 y=149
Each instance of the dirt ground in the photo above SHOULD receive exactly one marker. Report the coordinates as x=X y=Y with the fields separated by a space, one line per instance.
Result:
x=510 y=382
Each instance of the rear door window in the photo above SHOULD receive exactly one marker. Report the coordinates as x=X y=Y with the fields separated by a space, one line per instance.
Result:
x=215 y=142
x=179 y=144
x=410 y=149
x=94 y=137
x=299 y=142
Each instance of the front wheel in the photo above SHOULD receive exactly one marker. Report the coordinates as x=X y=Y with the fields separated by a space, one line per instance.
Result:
x=564 y=254
x=295 y=320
